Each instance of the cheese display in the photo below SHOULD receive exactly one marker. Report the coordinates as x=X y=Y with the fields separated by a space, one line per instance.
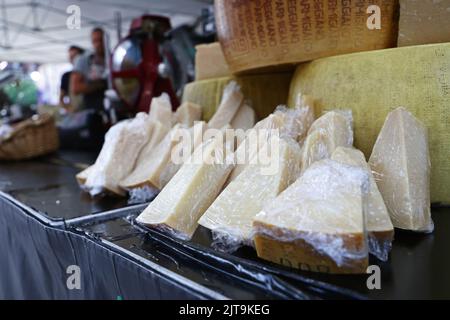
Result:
x=231 y=215
x=231 y=100
x=188 y=113
x=210 y=62
x=328 y=132
x=147 y=172
x=127 y=137
x=190 y=192
x=245 y=118
x=423 y=22
x=265 y=91
x=400 y=160
x=378 y=223
x=182 y=151
x=317 y=223
x=256 y=34
x=161 y=110
x=372 y=84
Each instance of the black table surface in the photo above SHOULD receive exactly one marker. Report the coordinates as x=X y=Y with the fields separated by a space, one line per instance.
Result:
x=418 y=266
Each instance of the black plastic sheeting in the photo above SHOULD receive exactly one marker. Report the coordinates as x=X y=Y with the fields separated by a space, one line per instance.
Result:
x=34 y=258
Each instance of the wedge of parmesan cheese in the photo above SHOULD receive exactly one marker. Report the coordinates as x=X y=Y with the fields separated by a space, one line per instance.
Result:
x=231 y=215
x=245 y=117
x=328 y=132
x=161 y=110
x=232 y=98
x=317 y=223
x=190 y=192
x=83 y=175
x=147 y=172
x=188 y=113
x=401 y=163
x=378 y=223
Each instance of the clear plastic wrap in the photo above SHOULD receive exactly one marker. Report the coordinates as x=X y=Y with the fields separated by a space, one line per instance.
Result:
x=400 y=161
x=191 y=191
x=328 y=132
x=231 y=215
x=142 y=194
x=123 y=142
x=378 y=223
x=232 y=98
x=161 y=110
x=317 y=223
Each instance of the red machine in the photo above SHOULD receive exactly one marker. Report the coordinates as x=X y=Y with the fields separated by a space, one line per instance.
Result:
x=141 y=64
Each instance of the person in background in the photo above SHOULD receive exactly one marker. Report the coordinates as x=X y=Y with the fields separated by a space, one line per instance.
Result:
x=64 y=94
x=88 y=77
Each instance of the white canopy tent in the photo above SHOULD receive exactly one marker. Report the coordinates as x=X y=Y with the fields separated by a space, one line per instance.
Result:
x=37 y=31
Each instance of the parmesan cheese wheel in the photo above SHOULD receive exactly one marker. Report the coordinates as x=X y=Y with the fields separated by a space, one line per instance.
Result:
x=265 y=34
x=372 y=84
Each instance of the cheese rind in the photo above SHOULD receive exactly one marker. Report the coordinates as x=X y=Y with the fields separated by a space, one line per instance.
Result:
x=231 y=100
x=189 y=193
x=258 y=35
x=328 y=132
x=372 y=84
x=378 y=223
x=401 y=163
x=232 y=213
x=317 y=223
x=210 y=62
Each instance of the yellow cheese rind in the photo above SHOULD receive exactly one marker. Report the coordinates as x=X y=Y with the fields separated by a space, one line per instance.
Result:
x=378 y=223
x=210 y=62
x=400 y=160
x=256 y=34
x=232 y=213
x=189 y=193
x=265 y=91
x=372 y=84
x=317 y=223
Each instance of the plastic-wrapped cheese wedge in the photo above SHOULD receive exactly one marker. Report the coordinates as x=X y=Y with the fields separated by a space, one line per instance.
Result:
x=188 y=113
x=328 y=132
x=147 y=172
x=190 y=192
x=231 y=100
x=379 y=226
x=265 y=34
x=261 y=131
x=401 y=163
x=297 y=121
x=182 y=151
x=374 y=83
x=245 y=117
x=161 y=110
x=123 y=142
x=83 y=175
x=317 y=223
x=231 y=215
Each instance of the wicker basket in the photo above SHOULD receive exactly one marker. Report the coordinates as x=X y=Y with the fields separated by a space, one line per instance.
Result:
x=30 y=138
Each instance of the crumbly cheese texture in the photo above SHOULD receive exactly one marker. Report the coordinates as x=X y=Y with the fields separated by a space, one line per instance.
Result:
x=190 y=192
x=116 y=160
x=188 y=113
x=148 y=171
x=372 y=84
x=328 y=132
x=317 y=223
x=378 y=223
x=233 y=211
x=401 y=164
x=231 y=100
